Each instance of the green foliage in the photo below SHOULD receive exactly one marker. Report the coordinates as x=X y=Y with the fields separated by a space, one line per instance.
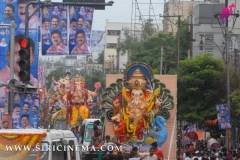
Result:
x=235 y=96
x=91 y=79
x=147 y=48
x=201 y=85
x=57 y=74
x=100 y=59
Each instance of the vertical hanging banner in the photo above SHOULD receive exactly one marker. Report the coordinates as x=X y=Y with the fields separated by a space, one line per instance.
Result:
x=54 y=30
x=16 y=9
x=223 y=116
x=26 y=109
x=66 y=30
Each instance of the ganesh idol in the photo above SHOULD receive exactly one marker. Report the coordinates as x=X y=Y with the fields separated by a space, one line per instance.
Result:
x=135 y=107
x=77 y=99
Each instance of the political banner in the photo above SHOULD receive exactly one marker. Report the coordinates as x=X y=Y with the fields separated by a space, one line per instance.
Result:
x=16 y=9
x=66 y=30
x=26 y=111
x=223 y=116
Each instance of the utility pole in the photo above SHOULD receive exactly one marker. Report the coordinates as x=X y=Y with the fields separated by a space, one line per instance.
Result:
x=225 y=33
x=161 y=61
x=179 y=35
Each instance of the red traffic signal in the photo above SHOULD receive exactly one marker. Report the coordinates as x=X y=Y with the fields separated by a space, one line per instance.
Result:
x=23 y=43
x=24 y=62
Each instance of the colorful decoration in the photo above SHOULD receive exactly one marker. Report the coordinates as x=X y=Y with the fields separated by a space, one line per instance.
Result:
x=68 y=100
x=226 y=12
x=20 y=139
x=138 y=106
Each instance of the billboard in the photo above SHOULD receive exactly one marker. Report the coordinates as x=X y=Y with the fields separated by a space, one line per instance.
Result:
x=66 y=30
x=223 y=116
x=26 y=111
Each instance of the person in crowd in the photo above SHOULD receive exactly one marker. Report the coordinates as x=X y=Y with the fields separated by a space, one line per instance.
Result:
x=134 y=153
x=97 y=131
x=157 y=151
x=151 y=155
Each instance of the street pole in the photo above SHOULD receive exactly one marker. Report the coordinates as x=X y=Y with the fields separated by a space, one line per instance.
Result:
x=11 y=91
x=178 y=54
x=228 y=130
x=178 y=43
x=161 y=61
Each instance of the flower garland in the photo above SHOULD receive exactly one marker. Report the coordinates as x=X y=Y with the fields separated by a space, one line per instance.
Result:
x=18 y=142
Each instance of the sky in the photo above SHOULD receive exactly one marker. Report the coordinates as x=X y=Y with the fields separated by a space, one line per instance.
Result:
x=124 y=11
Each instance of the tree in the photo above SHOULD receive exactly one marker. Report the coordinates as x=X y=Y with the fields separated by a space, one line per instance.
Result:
x=57 y=74
x=201 y=85
x=147 y=47
x=100 y=59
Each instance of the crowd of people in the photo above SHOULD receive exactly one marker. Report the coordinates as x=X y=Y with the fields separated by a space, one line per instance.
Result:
x=109 y=148
x=200 y=151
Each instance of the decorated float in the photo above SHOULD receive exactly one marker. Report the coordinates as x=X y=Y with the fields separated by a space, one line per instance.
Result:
x=67 y=102
x=136 y=107
x=19 y=138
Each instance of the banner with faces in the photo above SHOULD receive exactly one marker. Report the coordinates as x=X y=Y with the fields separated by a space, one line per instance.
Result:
x=66 y=30
x=26 y=111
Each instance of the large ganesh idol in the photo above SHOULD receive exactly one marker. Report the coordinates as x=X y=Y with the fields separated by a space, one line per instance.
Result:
x=138 y=106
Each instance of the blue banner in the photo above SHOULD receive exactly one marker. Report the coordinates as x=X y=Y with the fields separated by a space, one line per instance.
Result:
x=26 y=111
x=66 y=30
x=223 y=116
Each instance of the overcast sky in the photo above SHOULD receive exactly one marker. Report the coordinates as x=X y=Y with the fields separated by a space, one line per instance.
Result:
x=122 y=11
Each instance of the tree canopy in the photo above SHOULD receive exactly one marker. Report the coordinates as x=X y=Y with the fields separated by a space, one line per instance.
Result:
x=201 y=85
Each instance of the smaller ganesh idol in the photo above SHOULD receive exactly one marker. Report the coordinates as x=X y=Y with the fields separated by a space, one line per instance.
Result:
x=77 y=99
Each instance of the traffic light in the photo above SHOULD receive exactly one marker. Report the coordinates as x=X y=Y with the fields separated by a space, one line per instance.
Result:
x=24 y=63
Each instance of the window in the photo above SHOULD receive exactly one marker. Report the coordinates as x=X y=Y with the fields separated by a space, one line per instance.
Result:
x=111 y=45
x=89 y=132
x=113 y=32
x=209 y=45
x=58 y=152
x=72 y=152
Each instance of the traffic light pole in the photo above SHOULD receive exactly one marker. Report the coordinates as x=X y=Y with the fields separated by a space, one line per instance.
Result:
x=11 y=91
x=50 y=3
